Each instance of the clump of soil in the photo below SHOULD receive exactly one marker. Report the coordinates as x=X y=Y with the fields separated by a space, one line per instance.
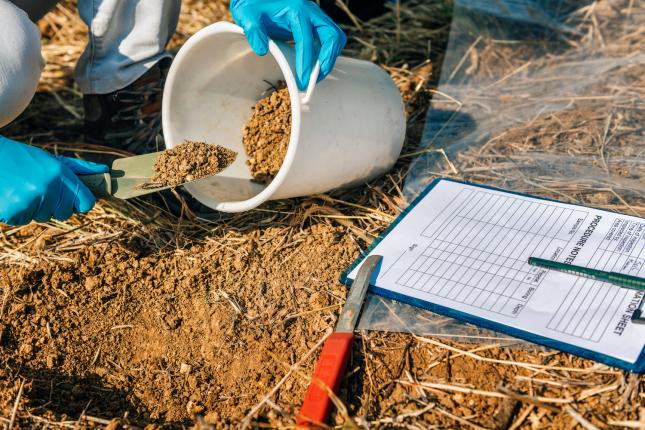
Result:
x=266 y=135
x=188 y=162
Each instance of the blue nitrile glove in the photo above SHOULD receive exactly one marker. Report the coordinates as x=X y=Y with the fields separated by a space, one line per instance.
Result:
x=300 y=20
x=36 y=185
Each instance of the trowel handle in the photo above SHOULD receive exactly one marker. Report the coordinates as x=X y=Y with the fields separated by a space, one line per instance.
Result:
x=99 y=184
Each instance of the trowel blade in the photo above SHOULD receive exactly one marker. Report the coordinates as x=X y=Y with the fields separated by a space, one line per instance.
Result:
x=131 y=173
x=133 y=176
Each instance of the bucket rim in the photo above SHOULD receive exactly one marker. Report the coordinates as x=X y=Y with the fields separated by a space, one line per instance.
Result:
x=296 y=111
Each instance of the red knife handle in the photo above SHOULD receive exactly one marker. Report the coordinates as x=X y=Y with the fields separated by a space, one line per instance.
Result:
x=329 y=371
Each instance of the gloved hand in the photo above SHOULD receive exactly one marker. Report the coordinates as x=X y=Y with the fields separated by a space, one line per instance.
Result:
x=300 y=20
x=36 y=185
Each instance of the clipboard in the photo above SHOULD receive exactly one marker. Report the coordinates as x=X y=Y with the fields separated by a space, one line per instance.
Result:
x=484 y=279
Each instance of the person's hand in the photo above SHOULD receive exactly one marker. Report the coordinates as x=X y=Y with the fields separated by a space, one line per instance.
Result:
x=300 y=20
x=35 y=185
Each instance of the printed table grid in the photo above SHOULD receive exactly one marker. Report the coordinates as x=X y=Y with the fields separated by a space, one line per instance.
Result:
x=473 y=257
x=612 y=254
x=483 y=203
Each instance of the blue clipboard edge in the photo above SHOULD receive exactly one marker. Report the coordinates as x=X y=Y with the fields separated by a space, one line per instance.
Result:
x=637 y=367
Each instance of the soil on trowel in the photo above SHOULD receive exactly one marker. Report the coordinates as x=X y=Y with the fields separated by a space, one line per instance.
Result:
x=188 y=162
x=266 y=134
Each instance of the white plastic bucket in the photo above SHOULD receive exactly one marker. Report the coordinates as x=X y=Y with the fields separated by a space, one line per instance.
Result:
x=351 y=129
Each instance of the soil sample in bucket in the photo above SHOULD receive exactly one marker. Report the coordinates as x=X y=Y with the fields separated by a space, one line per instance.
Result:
x=188 y=162
x=266 y=135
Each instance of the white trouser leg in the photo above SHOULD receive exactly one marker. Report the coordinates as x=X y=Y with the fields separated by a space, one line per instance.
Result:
x=20 y=61
x=127 y=38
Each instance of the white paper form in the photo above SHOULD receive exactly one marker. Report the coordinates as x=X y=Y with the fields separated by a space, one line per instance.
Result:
x=466 y=248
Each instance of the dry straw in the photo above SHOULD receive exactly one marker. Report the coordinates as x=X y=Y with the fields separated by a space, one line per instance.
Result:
x=546 y=389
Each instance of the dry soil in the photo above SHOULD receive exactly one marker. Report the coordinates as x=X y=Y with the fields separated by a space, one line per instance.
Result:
x=266 y=134
x=188 y=162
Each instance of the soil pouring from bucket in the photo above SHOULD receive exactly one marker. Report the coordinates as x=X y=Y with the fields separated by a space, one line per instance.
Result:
x=266 y=135
x=188 y=162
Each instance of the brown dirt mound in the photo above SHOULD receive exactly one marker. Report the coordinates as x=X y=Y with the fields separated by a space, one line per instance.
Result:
x=190 y=161
x=165 y=336
x=266 y=135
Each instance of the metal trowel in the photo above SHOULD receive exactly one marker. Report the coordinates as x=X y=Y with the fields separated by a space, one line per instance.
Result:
x=129 y=177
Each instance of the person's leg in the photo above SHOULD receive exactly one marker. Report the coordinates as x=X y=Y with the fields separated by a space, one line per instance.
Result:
x=123 y=70
x=127 y=38
x=122 y=74
x=36 y=9
x=20 y=61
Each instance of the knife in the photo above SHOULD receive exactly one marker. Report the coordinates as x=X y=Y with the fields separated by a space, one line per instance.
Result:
x=336 y=351
x=128 y=178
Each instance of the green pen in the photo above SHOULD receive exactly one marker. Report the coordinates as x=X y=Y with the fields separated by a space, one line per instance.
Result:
x=620 y=279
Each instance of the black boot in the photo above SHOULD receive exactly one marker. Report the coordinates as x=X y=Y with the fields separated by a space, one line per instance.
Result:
x=362 y=9
x=130 y=118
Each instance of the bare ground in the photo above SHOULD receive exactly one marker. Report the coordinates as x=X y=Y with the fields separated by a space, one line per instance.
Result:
x=130 y=317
